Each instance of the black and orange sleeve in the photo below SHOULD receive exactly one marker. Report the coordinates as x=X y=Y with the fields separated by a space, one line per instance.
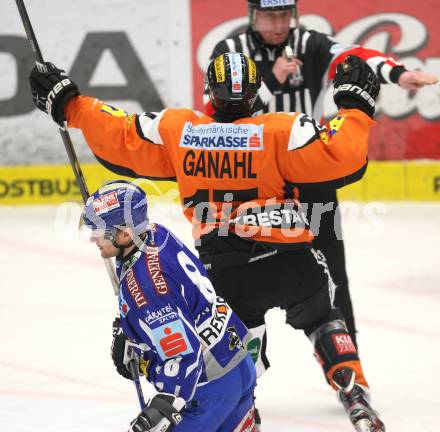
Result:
x=116 y=139
x=329 y=157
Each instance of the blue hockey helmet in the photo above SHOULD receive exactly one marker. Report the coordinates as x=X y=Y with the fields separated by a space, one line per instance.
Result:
x=114 y=205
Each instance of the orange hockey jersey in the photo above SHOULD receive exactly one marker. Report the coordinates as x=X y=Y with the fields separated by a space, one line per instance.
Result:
x=235 y=177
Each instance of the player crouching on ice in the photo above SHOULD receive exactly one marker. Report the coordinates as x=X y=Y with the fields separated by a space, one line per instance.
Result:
x=190 y=342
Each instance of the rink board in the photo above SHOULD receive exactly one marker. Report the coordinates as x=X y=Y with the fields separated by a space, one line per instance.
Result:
x=53 y=184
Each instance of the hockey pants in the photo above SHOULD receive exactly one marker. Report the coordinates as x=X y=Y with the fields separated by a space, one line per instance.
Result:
x=220 y=405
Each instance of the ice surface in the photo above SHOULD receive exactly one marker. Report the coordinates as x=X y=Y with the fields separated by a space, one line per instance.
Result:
x=57 y=307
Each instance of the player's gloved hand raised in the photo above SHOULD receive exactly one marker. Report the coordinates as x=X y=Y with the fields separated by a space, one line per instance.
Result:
x=51 y=90
x=356 y=85
x=160 y=415
x=123 y=352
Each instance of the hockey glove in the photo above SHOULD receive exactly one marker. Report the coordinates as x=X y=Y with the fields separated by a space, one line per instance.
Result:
x=51 y=90
x=123 y=352
x=356 y=85
x=161 y=414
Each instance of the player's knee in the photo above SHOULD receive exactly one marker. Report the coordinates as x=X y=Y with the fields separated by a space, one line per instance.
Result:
x=311 y=311
x=333 y=321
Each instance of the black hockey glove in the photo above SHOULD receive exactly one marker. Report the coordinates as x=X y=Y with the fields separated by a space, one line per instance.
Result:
x=356 y=85
x=161 y=414
x=51 y=90
x=123 y=352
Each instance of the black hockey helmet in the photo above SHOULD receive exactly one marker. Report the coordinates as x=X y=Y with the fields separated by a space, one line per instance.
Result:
x=271 y=5
x=232 y=82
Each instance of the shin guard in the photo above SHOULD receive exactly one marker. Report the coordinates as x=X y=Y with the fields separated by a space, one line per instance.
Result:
x=334 y=348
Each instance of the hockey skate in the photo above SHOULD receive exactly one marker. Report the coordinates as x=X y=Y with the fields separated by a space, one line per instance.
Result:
x=356 y=402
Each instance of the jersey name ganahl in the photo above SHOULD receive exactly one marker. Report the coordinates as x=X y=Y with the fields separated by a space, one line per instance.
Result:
x=219 y=165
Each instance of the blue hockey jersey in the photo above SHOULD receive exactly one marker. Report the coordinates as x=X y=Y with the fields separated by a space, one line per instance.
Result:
x=169 y=308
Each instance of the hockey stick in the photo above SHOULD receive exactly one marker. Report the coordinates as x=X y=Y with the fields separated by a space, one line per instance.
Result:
x=74 y=163
x=132 y=364
x=78 y=175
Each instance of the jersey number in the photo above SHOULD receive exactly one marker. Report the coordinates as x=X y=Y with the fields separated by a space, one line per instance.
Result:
x=201 y=200
x=201 y=282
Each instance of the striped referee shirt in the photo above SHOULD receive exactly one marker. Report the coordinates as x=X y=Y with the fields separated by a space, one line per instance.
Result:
x=320 y=55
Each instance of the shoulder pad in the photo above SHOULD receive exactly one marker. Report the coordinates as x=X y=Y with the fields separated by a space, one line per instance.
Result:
x=149 y=126
x=304 y=131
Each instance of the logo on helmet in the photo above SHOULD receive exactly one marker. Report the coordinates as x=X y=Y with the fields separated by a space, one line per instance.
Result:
x=276 y=3
x=219 y=67
x=105 y=203
x=252 y=71
x=236 y=72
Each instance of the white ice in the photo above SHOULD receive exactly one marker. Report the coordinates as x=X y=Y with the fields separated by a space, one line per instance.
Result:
x=57 y=307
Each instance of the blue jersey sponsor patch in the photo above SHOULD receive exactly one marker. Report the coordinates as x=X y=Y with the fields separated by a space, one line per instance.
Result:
x=123 y=306
x=171 y=340
x=160 y=315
